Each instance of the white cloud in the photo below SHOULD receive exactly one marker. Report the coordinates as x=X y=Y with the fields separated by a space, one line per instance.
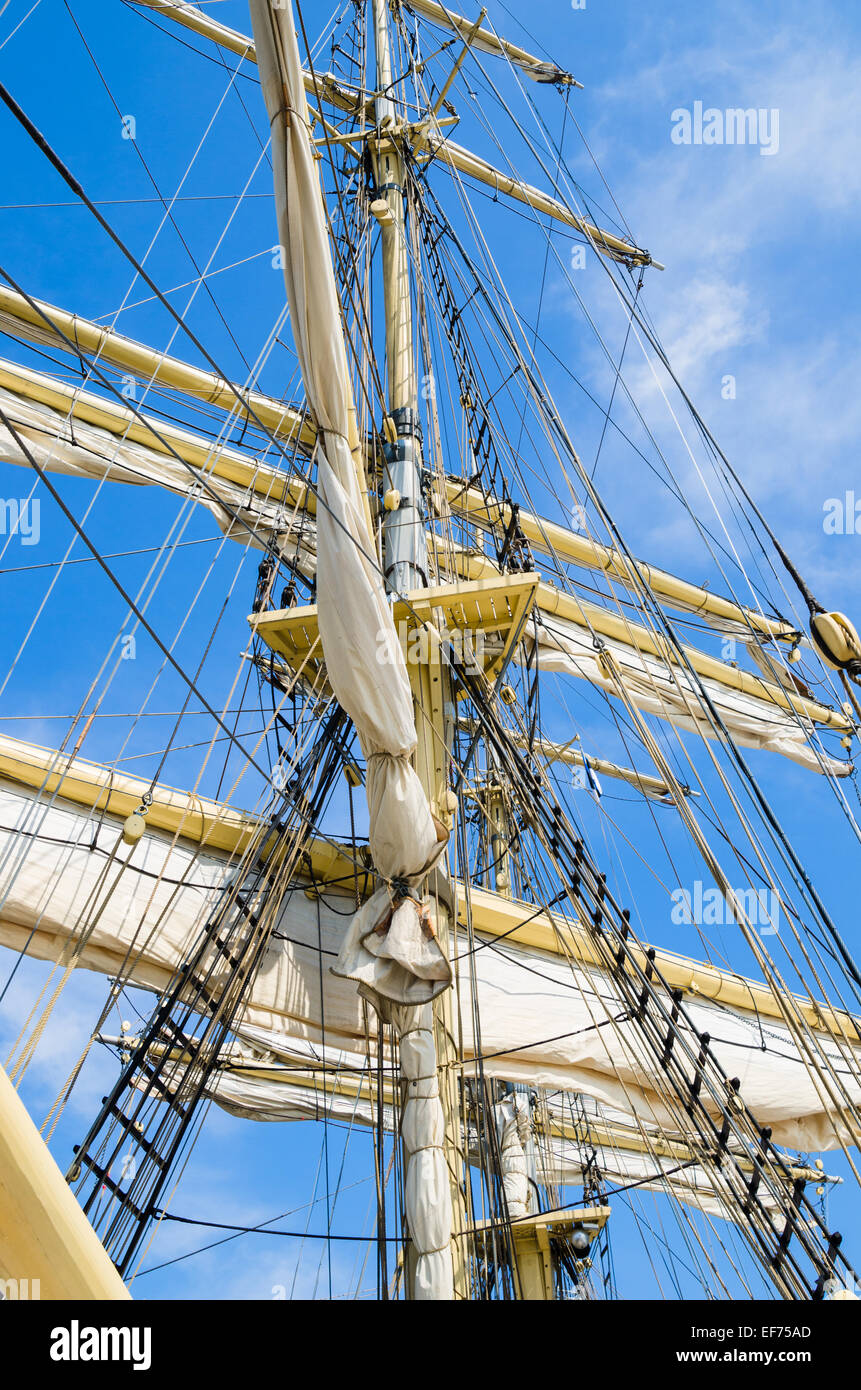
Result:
x=814 y=83
x=755 y=285
x=712 y=318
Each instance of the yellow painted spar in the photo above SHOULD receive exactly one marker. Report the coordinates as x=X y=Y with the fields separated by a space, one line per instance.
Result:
x=35 y=321
x=430 y=142
x=546 y=537
x=360 y=1086
x=224 y=827
x=549 y=538
x=223 y=462
x=496 y=916
x=567 y=753
x=594 y=618
x=44 y=1234
x=217 y=460
x=213 y=823
x=485 y=38
x=463 y=161
x=475 y=566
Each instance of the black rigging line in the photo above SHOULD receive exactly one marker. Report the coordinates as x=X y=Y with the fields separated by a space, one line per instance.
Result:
x=541 y=296
x=126 y=597
x=616 y=381
x=667 y=482
x=812 y=603
x=513 y=551
x=213 y=982
x=177 y=38
x=649 y=998
x=199 y=475
x=260 y=1231
x=660 y=616
x=115 y=555
x=776 y=829
x=68 y=177
x=167 y=206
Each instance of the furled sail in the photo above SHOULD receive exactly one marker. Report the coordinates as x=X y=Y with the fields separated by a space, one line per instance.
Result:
x=391 y=948
x=669 y=691
x=63 y=445
x=78 y=432
x=547 y=1019
x=36 y=321
x=512 y=1118
x=319 y=1085
x=234 y=491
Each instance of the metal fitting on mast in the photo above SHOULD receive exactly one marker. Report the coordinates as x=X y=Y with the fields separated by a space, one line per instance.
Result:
x=403 y=525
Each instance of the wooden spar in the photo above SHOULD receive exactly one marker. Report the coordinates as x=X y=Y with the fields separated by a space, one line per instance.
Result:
x=565 y=753
x=496 y=916
x=217 y=460
x=487 y=40
x=471 y=32
x=44 y=1234
x=215 y=824
x=223 y=462
x=358 y=1086
x=463 y=161
x=150 y=365
x=547 y=537
x=612 y=1135
x=593 y=618
x=200 y=23
x=435 y=146
x=405 y=560
x=243 y=46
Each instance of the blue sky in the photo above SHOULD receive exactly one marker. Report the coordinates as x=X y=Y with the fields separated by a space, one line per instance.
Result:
x=759 y=285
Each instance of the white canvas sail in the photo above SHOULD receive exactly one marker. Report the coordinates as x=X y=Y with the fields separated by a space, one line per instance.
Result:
x=255 y=504
x=670 y=693
x=252 y=1087
x=242 y=512
x=544 y=1018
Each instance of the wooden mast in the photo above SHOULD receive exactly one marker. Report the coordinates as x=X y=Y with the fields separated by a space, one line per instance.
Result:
x=405 y=563
x=405 y=551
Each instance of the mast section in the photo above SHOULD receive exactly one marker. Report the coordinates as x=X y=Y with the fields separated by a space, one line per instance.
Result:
x=405 y=562
x=403 y=527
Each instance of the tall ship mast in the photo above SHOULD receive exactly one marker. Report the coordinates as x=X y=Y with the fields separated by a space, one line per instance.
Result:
x=381 y=830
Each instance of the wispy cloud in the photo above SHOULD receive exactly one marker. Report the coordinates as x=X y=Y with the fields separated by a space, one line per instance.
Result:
x=753 y=246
